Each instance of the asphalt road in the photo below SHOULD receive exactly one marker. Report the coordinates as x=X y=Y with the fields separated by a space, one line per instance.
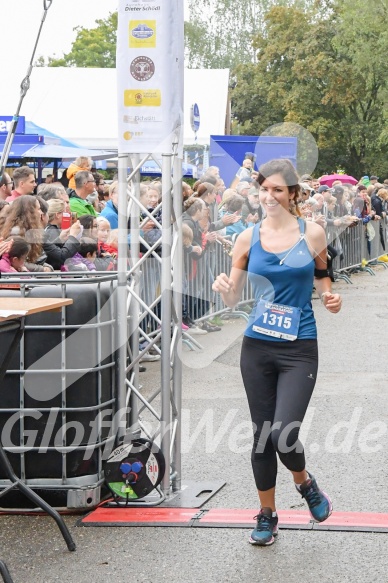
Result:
x=346 y=448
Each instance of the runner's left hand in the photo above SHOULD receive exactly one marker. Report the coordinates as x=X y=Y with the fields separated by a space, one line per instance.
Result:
x=332 y=302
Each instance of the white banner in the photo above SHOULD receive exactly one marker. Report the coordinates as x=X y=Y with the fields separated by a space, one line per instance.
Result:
x=150 y=64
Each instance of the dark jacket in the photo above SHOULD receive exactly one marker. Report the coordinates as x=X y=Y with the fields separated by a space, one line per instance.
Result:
x=197 y=233
x=377 y=204
x=56 y=250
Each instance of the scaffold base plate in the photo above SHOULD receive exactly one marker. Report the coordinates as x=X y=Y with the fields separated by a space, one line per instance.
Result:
x=193 y=494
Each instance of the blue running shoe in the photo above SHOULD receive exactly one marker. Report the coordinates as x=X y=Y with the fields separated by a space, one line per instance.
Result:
x=319 y=503
x=266 y=528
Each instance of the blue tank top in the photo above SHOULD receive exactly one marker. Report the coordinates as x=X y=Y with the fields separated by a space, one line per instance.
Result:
x=282 y=278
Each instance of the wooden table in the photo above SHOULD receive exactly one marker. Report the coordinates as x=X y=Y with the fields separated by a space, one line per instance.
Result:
x=18 y=309
x=31 y=306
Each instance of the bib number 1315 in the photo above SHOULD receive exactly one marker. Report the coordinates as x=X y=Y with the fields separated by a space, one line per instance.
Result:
x=277 y=320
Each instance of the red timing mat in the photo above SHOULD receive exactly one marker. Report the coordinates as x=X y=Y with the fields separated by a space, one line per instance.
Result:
x=154 y=516
x=231 y=518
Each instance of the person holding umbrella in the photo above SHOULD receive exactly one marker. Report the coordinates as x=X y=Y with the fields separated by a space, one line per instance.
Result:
x=343 y=178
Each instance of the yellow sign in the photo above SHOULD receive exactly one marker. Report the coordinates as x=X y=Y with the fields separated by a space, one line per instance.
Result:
x=142 y=98
x=142 y=34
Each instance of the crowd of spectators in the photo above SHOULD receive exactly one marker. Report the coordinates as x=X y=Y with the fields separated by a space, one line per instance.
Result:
x=66 y=229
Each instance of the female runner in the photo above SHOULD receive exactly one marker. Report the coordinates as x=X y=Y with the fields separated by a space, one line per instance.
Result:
x=284 y=256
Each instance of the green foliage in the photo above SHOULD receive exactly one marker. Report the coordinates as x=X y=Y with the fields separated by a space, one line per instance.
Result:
x=95 y=47
x=220 y=32
x=40 y=62
x=324 y=68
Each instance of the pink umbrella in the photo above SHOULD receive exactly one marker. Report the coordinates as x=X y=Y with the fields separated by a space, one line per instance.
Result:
x=344 y=178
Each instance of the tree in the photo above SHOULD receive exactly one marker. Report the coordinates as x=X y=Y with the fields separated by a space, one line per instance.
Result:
x=362 y=39
x=311 y=71
x=219 y=33
x=95 y=47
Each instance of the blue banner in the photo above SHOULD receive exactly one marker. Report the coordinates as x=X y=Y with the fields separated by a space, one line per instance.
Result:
x=5 y=123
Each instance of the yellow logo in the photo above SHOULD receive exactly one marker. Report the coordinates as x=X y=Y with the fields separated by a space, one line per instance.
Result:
x=142 y=34
x=127 y=136
x=142 y=98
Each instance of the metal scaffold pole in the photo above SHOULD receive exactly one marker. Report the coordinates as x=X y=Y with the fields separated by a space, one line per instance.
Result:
x=166 y=285
x=122 y=268
x=177 y=279
x=134 y=284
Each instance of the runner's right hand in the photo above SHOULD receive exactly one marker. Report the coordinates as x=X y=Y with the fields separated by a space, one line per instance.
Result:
x=222 y=284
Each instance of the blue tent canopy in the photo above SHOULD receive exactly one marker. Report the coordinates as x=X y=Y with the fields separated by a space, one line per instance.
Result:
x=49 y=137
x=40 y=143
x=17 y=150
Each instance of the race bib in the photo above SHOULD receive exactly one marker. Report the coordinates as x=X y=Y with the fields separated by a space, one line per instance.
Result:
x=277 y=320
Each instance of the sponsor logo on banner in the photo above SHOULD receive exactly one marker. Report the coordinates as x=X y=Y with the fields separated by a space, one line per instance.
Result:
x=142 y=68
x=142 y=97
x=132 y=135
x=142 y=5
x=142 y=34
x=136 y=119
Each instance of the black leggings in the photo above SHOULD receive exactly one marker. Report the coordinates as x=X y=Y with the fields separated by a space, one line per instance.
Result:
x=279 y=378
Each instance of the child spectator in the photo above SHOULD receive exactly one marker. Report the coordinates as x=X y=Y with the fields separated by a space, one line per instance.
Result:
x=14 y=260
x=103 y=233
x=80 y=163
x=106 y=254
x=84 y=259
x=113 y=241
x=187 y=239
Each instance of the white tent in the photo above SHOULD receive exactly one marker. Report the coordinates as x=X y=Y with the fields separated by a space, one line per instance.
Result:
x=80 y=104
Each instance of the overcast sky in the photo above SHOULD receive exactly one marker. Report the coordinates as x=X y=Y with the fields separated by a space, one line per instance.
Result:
x=20 y=21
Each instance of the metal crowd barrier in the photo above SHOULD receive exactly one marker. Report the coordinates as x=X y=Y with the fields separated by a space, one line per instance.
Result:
x=200 y=303
x=358 y=248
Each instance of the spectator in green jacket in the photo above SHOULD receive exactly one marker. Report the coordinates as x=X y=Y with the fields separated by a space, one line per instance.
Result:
x=85 y=184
